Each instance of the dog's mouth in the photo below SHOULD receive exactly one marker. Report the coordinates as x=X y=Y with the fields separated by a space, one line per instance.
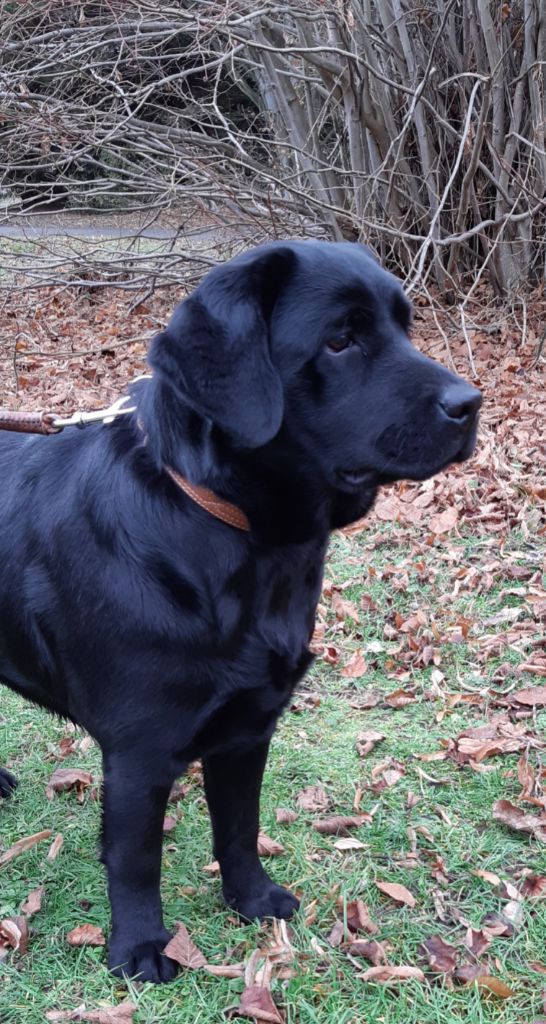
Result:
x=372 y=478
x=467 y=449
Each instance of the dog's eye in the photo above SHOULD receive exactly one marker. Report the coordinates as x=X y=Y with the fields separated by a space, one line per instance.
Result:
x=340 y=343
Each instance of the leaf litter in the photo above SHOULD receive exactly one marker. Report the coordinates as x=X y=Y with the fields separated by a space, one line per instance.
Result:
x=487 y=497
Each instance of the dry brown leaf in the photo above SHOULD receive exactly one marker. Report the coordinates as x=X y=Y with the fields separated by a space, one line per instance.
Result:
x=58 y=1015
x=284 y=816
x=313 y=798
x=22 y=845
x=33 y=902
x=337 y=934
x=468 y=972
x=344 y=609
x=311 y=913
x=441 y=955
x=513 y=912
x=367 y=740
x=477 y=941
x=513 y=817
x=399 y=698
x=355 y=667
x=344 y=844
x=257 y=1002
x=534 y=887
x=213 y=868
x=433 y=755
x=488 y=876
x=86 y=935
x=365 y=700
x=14 y=934
x=305 y=702
x=121 y=1014
x=169 y=823
x=389 y=779
x=369 y=949
x=534 y=696
x=397 y=892
x=340 y=825
x=183 y=949
x=535 y=668
x=67 y=746
x=358 y=918
x=494 y=985
x=495 y=925
x=444 y=521
x=526 y=777
x=330 y=654
x=269 y=847
x=179 y=790
x=226 y=970
x=56 y=847
x=386 y=975
x=69 y=778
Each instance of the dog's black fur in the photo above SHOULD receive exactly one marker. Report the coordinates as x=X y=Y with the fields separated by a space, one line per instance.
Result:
x=287 y=384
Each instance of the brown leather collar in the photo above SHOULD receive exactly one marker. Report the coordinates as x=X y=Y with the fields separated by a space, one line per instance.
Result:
x=210 y=501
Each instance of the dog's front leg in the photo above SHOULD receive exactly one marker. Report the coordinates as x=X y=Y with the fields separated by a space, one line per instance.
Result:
x=233 y=782
x=134 y=802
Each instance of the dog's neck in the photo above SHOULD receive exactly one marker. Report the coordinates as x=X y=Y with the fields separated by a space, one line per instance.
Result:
x=275 y=485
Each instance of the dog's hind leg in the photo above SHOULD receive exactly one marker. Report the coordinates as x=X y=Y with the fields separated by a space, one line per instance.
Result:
x=8 y=782
x=232 y=783
x=136 y=790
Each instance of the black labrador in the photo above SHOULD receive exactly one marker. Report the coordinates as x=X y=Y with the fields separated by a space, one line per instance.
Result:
x=287 y=385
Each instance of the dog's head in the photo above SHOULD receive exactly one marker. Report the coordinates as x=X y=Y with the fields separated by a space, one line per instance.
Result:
x=307 y=343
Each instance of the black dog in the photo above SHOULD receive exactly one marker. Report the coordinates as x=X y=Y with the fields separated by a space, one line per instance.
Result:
x=287 y=385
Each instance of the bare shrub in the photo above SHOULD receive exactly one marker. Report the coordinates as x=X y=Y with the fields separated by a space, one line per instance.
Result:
x=418 y=126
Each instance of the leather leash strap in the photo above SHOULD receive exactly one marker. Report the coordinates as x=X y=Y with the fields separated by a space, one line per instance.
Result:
x=28 y=422
x=210 y=501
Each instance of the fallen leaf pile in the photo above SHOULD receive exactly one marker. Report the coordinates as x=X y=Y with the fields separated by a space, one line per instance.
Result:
x=65 y=352
x=499 y=736
x=515 y=818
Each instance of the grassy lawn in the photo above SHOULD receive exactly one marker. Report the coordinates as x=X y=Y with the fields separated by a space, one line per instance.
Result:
x=442 y=808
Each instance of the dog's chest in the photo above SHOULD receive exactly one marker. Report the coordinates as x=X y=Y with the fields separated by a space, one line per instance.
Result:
x=267 y=626
x=287 y=592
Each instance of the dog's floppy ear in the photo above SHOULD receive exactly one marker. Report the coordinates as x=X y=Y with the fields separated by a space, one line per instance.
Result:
x=215 y=350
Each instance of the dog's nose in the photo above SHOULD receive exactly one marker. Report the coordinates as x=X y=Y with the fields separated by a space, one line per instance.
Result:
x=460 y=402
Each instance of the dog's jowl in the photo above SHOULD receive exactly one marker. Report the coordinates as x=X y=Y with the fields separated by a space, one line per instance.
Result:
x=159 y=574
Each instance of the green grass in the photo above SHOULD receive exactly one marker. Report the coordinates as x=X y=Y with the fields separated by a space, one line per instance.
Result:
x=312 y=745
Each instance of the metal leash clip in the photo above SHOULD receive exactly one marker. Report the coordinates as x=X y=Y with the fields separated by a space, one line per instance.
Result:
x=83 y=419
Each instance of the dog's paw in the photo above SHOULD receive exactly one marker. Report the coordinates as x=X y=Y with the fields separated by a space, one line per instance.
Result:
x=272 y=901
x=8 y=782
x=145 y=961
